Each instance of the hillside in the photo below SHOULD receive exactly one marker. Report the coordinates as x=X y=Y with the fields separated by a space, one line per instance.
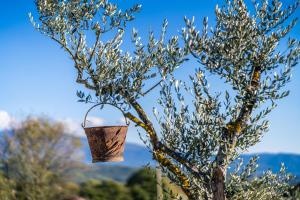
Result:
x=137 y=156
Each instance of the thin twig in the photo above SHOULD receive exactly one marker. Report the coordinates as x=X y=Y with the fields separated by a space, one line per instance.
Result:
x=152 y=88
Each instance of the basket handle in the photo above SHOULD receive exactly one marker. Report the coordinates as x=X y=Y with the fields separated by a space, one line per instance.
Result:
x=84 y=121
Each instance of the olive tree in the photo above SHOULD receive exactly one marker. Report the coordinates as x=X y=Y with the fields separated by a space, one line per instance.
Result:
x=7 y=188
x=37 y=160
x=196 y=139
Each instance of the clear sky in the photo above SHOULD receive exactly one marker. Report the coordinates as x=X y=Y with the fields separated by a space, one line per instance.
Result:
x=37 y=77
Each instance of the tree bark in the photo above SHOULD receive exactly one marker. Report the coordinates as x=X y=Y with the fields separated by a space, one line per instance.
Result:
x=218 y=184
x=159 y=183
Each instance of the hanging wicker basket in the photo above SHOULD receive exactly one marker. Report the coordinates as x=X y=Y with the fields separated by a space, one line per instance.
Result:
x=106 y=142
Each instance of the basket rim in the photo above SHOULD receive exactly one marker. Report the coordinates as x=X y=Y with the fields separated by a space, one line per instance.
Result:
x=109 y=159
x=106 y=126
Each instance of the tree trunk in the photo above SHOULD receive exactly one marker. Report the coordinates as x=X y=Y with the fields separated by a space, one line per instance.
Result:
x=159 y=183
x=218 y=184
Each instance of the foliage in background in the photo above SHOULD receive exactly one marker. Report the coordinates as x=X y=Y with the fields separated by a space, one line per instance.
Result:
x=144 y=178
x=197 y=140
x=37 y=157
x=102 y=190
x=38 y=161
x=140 y=186
x=295 y=192
x=7 y=191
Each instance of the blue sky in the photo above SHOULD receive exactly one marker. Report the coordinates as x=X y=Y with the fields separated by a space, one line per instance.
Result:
x=37 y=77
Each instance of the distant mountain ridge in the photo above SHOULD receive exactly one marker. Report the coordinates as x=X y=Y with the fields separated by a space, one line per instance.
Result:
x=137 y=156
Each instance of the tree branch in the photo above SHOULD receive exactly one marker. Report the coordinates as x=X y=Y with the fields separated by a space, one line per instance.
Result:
x=152 y=88
x=79 y=78
x=234 y=128
x=162 y=147
x=158 y=154
x=95 y=46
